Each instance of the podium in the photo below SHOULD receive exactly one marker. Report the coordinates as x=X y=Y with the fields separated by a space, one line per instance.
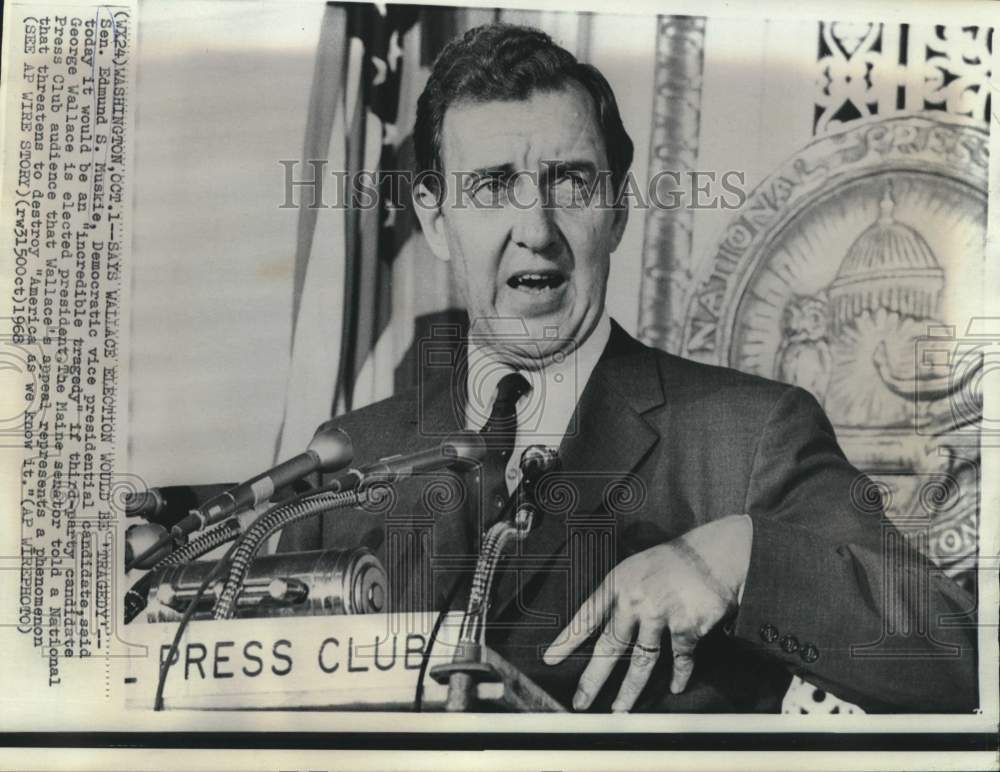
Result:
x=349 y=661
x=365 y=662
x=513 y=691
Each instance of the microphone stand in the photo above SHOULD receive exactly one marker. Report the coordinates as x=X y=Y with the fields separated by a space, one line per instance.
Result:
x=468 y=667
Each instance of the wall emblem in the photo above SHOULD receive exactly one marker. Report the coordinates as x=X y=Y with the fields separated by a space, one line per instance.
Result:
x=839 y=269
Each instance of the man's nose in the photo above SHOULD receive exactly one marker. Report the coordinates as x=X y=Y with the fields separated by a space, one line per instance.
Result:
x=534 y=228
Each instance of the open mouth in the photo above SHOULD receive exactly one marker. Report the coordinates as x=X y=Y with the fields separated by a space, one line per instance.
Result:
x=536 y=281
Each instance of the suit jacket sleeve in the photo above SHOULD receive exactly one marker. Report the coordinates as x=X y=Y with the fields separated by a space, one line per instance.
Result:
x=833 y=590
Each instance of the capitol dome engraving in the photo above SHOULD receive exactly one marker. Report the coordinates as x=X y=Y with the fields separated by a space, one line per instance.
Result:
x=889 y=266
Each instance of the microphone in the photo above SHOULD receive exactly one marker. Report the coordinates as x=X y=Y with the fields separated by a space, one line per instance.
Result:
x=145 y=504
x=536 y=460
x=522 y=507
x=166 y=504
x=459 y=449
x=330 y=449
x=139 y=541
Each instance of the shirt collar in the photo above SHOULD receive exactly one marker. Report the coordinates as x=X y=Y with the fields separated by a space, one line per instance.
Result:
x=555 y=389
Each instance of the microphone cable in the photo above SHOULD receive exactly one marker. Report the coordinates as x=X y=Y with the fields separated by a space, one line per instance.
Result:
x=136 y=597
x=182 y=625
x=226 y=531
x=425 y=658
x=199 y=594
x=247 y=546
x=159 y=544
x=352 y=489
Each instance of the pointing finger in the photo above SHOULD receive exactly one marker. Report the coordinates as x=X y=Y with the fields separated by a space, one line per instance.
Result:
x=588 y=618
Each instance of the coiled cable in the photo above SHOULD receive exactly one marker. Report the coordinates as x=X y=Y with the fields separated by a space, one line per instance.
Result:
x=257 y=534
x=137 y=596
x=494 y=543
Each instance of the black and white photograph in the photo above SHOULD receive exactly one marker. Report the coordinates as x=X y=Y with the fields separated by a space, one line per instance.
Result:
x=566 y=380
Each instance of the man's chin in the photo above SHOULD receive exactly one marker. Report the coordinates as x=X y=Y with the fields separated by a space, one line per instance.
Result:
x=536 y=343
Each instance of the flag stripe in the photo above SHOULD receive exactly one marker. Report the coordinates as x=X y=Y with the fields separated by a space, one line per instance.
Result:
x=325 y=90
x=325 y=93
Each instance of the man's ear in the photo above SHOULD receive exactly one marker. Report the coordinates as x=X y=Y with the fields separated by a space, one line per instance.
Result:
x=428 y=208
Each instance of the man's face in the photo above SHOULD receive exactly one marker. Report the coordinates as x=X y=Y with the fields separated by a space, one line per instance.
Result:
x=515 y=258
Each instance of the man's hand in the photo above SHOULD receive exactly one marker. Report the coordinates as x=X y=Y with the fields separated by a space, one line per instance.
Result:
x=685 y=586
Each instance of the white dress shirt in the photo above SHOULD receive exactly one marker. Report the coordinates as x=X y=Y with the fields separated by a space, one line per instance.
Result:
x=544 y=414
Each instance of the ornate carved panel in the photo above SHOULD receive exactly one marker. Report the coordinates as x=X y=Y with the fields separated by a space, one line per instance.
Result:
x=866 y=70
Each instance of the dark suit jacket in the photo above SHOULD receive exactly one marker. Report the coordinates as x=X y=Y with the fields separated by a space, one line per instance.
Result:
x=658 y=446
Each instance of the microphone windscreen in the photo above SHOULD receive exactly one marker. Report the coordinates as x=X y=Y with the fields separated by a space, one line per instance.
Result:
x=333 y=447
x=536 y=460
x=145 y=503
x=465 y=447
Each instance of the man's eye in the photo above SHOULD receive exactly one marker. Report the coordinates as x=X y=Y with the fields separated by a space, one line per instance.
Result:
x=490 y=188
x=572 y=179
x=569 y=189
x=493 y=183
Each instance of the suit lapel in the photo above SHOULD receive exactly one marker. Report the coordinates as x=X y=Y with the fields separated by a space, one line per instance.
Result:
x=439 y=411
x=441 y=387
x=607 y=440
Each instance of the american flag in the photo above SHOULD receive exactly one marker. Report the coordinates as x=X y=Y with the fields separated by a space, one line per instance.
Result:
x=365 y=286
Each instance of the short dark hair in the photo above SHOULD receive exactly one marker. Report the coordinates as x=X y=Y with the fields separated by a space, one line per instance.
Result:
x=507 y=63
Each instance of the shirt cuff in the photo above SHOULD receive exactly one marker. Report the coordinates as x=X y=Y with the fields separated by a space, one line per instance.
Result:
x=743 y=584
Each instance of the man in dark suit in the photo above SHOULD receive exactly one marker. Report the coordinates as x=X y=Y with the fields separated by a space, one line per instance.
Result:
x=709 y=538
